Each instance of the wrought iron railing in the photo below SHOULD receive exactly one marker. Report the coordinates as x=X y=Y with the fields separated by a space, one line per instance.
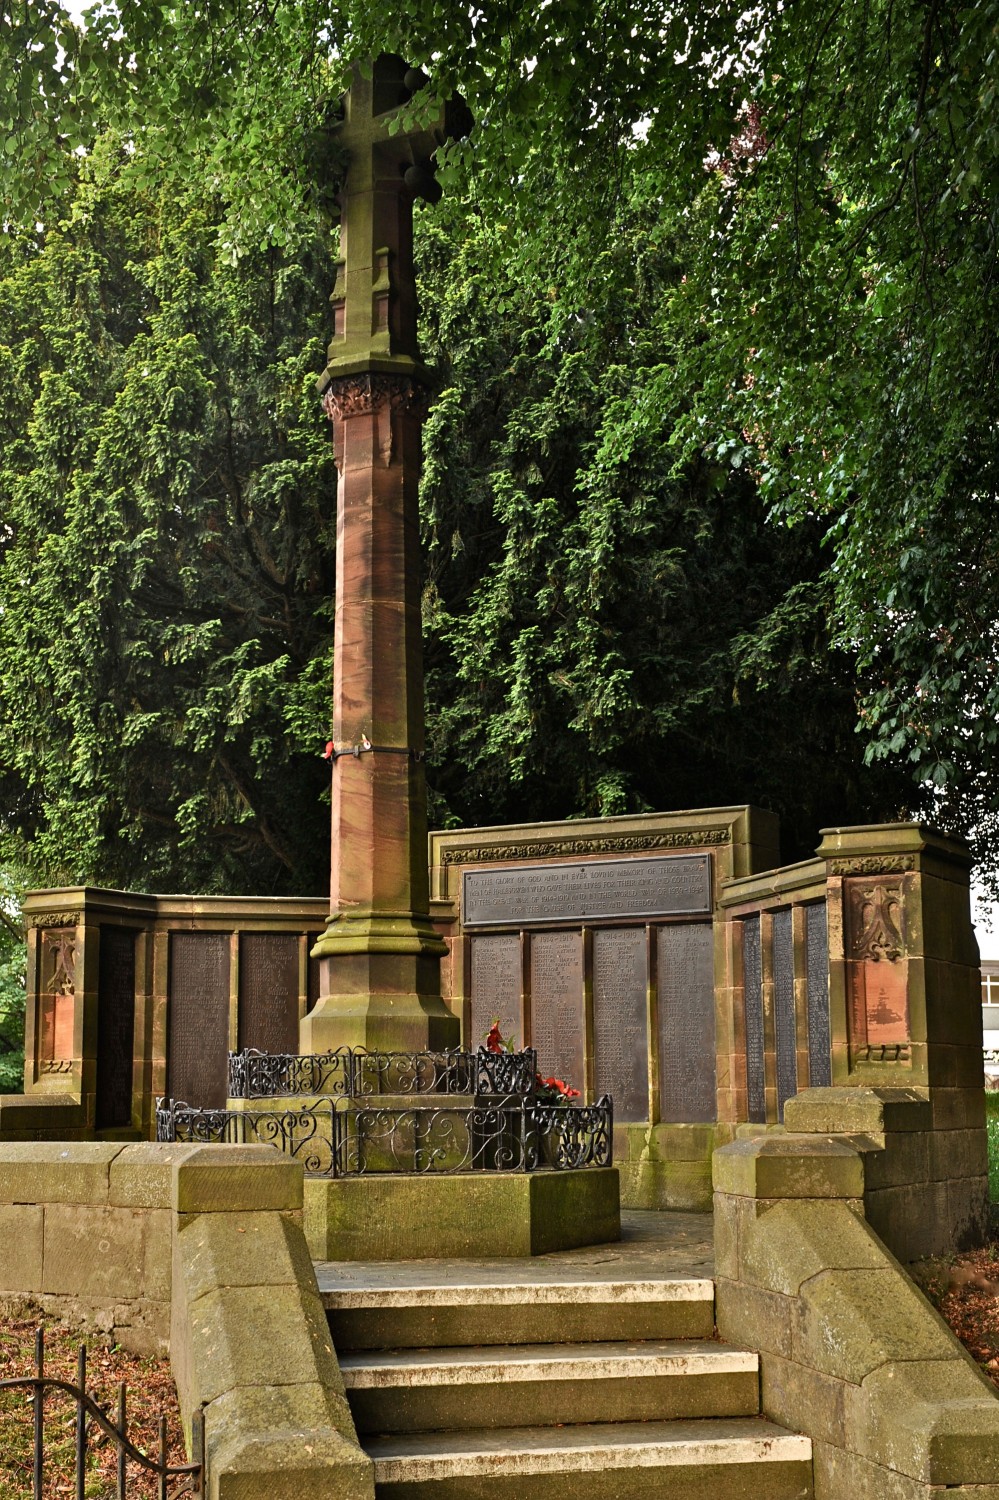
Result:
x=333 y=1140
x=89 y=1414
x=353 y=1072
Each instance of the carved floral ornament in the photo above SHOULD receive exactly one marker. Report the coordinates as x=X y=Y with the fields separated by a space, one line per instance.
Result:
x=878 y=922
x=873 y=864
x=360 y=395
x=480 y=854
x=53 y=918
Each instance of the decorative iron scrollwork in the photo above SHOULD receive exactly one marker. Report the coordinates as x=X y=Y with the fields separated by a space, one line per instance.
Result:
x=332 y=1139
x=353 y=1072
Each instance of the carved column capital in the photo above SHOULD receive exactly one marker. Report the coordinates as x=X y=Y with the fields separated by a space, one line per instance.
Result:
x=360 y=395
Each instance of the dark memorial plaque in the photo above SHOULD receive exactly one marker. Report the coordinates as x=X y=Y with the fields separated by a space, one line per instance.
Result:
x=687 y=1071
x=496 y=988
x=817 y=961
x=752 y=981
x=620 y=1020
x=268 y=991
x=198 y=1018
x=557 y=1005
x=588 y=890
x=115 y=1027
x=785 y=1033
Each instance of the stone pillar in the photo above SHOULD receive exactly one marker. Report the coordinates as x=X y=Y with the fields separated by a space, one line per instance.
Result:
x=380 y=955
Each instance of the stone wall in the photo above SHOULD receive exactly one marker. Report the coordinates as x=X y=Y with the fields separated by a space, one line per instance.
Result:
x=198 y=1249
x=86 y=1230
x=851 y=1353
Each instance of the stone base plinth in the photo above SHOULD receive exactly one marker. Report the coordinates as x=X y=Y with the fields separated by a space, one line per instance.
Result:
x=395 y=1217
x=668 y=1166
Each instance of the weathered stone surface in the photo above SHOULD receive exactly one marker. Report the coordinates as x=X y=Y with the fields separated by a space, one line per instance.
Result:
x=141 y=1174
x=858 y=1111
x=226 y=1179
x=936 y=1420
x=21 y=1239
x=682 y=1185
x=262 y=1249
x=95 y=1252
x=267 y=1454
x=842 y=1475
x=789 y=1166
x=259 y=1336
x=756 y=1318
x=803 y=1399
x=956 y=1154
x=54 y=1172
x=850 y=1322
x=793 y=1242
x=388 y=1217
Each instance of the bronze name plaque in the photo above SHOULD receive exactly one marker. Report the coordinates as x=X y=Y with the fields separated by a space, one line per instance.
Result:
x=620 y=1020
x=587 y=890
x=687 y=1024
x=268 y=991
x=496 y=989
x=198 y=1018
x=557 y=1005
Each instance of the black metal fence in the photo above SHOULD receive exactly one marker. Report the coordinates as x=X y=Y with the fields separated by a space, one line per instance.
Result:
x=91 y=1415
x=336 y=1140
x=353 y=1073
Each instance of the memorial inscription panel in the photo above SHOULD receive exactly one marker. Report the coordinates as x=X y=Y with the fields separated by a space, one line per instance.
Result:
x=268 y=991
x=752 y=981
x=817 y=958
x=496 y=988
x=785 y=1035
x=585 y=891
x=557 y=1005
x=198 y=1017
x=686 y=984
x=620 y=1020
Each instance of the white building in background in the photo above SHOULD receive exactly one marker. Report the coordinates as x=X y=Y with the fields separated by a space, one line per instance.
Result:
x=988 y=945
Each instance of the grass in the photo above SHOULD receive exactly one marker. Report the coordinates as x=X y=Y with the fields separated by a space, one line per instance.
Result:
x=150 y=1391
x=992 y=1127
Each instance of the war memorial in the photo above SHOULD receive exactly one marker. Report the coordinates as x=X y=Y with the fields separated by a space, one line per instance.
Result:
x=775 y=1072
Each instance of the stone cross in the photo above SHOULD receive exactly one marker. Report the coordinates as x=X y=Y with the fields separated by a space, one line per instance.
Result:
x=380 y=955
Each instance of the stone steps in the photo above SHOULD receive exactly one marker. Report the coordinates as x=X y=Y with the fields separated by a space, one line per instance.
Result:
x=740 y=1459
x=520 y=1379
x=381 y=1312
x=410 y=1390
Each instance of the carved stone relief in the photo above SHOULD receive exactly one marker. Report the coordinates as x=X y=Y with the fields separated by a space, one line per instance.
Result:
x=877 y=969
x=480 y=854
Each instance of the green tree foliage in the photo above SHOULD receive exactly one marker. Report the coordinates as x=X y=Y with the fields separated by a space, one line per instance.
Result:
x=165 y=552
x=610 y=624
x=838 y=163
x=13 y=961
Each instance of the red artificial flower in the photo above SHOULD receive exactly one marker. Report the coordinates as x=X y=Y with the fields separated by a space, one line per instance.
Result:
x=330 y=746
x=494 y=1041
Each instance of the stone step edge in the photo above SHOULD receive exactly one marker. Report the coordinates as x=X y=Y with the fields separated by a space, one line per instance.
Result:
x=354 y=1298
x=524 y=1451
x=511 y=1363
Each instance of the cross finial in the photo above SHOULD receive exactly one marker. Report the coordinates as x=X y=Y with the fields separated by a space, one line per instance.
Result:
x=374 y=298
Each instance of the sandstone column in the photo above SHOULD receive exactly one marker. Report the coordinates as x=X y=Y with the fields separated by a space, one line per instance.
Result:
x=380 y=956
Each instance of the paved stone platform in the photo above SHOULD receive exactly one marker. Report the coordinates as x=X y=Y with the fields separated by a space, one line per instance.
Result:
x=653 y=1247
